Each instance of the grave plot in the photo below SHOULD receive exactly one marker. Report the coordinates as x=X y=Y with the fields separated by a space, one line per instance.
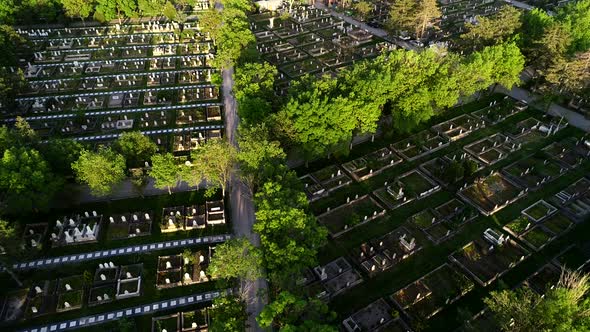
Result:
x=539 y=211
x=113 y=123
x=33 y=235
x=531 y=130
x=377 y=315
x=128 y=81
x=337 y=276
x=493 y=148
x=570 y=152
x=78 y=126
x=78 y=229
x=196 y=217
x=573 y=191
x=428 y=295
x=578 y=208
x=188 y=141
x=489 y=257
x=215 y=212
x=483 y=321
x=459 y=127
x=420 y=144
x=183 y=269
x=40 y=299
x=191 y=95
x=371 y=164
x=350 y=215
x=324 y=181
x=444 y=221
x=409 y=186
x=129 y=225
x=113 y=282
x=70 y=293
x=573 y=257
x=544 y=278
x=387 y=251
x=162 y=79
x=498 y=112
x=190 y=321
x=491 y=194
x=451 y=168
x=172 y=219
x=534 y=171
x=147 y=120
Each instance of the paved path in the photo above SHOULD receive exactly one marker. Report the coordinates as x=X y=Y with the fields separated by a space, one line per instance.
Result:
x=53 y=262
x=242 y=205
x=574 y=119
x=144 y=309
x=520 y=5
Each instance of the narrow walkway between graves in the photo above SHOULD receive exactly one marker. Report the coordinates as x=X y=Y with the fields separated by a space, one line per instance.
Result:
x=111 y=316
x=52 y=262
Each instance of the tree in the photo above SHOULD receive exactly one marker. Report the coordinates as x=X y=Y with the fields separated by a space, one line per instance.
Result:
x=26 y=180
x=105 y=10
x=563 y=308
x=126 y=7
x=552 y=46
x=258 y=155
x=7 y=10
x=236 y=258
x=9 y=249
x=426 y=12
x=576 y=17
x=169 y=11
x=100 y=170
x=150 y=7
x=363 y=8
x=507 y=63
x=402 y=15
x=165 y=171
x=214 y=161
x=289 y=312
x=228 y=314
x=135 y=147
x=572 y=76
x=78 y=8
x=126 y=325
x=290 y=237
x=254 y=90
x=61 y=153
x=11 y=84
x=492 y=30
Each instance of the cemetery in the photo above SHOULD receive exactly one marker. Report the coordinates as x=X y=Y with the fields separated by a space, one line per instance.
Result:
x=442 y=222
x=183 y=269
x=493 y=148
x=375 y=316
x=420 y=144
x=570 y=151
x=113 y=282
x=88 y=81
x=371 y=164
x=336 y=276
x=181 y=218
x=324 y=181
x=311 y=41
x=535 y=170
x=543 y=279
x=428 y=295
x=491 y=194
x=459 y=127
x=387 y=251
x=409 y=186
x=351 y=214
x=498 y=112
x=574 y=200
x=129 y=225
x=451 y=168
x=574 y=256
x=80 y=228
x=197 y=320
x=488 y=257
x=33 y=235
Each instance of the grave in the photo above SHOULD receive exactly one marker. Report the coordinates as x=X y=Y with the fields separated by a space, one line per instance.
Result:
x=491 y=193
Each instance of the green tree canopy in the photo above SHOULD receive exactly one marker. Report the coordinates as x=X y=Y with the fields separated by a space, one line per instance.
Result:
x=576 y=17
x=289 y=312
x=236 y=258
x=26 y=181
x=563 y=308
x=165 y=171
x=78 y=8
x=259 y=155
x=492 y=30
x=214 y=162
x=100 y=170
x=135 y=147
x=228 y=314
x=61 y=153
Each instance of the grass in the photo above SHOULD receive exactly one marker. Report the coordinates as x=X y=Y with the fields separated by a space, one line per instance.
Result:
x=519 y=225
x=537 y=237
